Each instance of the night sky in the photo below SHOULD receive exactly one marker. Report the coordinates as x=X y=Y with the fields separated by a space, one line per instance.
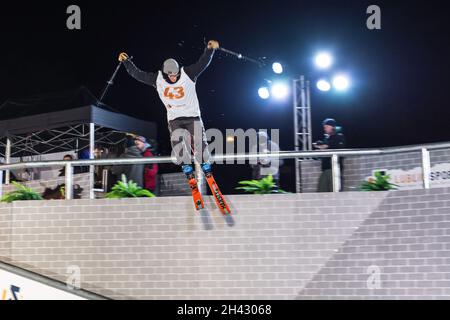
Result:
x=400 y=74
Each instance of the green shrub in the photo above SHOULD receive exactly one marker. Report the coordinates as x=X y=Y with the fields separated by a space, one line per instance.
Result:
x=263 y=186
x=381 y=183
x=21 y=193
x=124 y=189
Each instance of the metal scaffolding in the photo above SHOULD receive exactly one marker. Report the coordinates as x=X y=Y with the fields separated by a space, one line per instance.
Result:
x=70 y=138
x=302 y=123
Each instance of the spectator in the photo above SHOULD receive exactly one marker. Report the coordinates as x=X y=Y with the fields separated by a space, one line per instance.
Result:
x=150 y=170
x=266 y=166
x=101 y=153
x=133 y=172
x=333 y=139
x=84 y=154
x=76 y=170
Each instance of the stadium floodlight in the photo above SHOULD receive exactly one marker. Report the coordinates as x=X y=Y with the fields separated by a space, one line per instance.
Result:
x=323 y=85
x=279 y=90
x=264 y=93
x=341 y=82
x=277 y=68
x=323 y=60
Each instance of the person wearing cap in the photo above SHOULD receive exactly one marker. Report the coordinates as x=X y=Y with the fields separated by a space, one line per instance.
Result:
x=176 y=87
x=150 y=170
x=333 y=139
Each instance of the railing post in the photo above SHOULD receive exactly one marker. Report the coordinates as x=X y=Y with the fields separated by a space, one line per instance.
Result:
x=7 y=159
x=336 y=173
x=426 y=168
x=296 y=135
x=105 y=180
x=69 y=181
x=1 y=183
x=91 y=157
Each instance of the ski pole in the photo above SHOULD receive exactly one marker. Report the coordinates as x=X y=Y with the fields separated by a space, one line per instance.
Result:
x=240 y=56
x=110 y=82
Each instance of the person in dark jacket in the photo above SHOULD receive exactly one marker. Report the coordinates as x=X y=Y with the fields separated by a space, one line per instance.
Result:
x=76 y=169
x=133 y=172
x=150 y=170
x=333 y=139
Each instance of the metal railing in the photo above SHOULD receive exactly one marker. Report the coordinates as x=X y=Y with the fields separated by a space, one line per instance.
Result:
x=334 y=154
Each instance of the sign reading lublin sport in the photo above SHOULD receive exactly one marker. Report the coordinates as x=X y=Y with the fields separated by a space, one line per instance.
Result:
x=413 y=179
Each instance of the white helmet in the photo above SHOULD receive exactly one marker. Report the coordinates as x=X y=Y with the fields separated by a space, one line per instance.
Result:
x=171 y=67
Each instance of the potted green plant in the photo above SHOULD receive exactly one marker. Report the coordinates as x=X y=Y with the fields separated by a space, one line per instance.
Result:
x=127 y=189
x=263 y=186
x=21 y=193
x=379 y=183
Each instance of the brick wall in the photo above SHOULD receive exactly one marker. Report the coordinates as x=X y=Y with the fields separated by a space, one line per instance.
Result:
x=5 y=231
x=294 y=246
x=309 y=175
x=402 y=251
x=175 y=184
x=159 y=248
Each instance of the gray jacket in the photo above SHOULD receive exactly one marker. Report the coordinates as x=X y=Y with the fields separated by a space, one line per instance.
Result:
x=133 y=172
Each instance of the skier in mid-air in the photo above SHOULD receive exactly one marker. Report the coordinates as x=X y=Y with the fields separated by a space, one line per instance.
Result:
x=176 y=89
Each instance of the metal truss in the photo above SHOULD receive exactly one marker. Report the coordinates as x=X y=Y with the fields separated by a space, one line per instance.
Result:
x=75 y=137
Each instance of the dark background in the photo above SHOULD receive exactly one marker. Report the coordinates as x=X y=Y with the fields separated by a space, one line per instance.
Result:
x=399 y=74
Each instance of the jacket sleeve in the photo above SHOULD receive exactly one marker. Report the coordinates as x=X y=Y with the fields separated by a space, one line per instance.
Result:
x=142 y=76
x=154 y=170
x=338 y=142
x=341 y=144
x=150 y=169
x=194 y=70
